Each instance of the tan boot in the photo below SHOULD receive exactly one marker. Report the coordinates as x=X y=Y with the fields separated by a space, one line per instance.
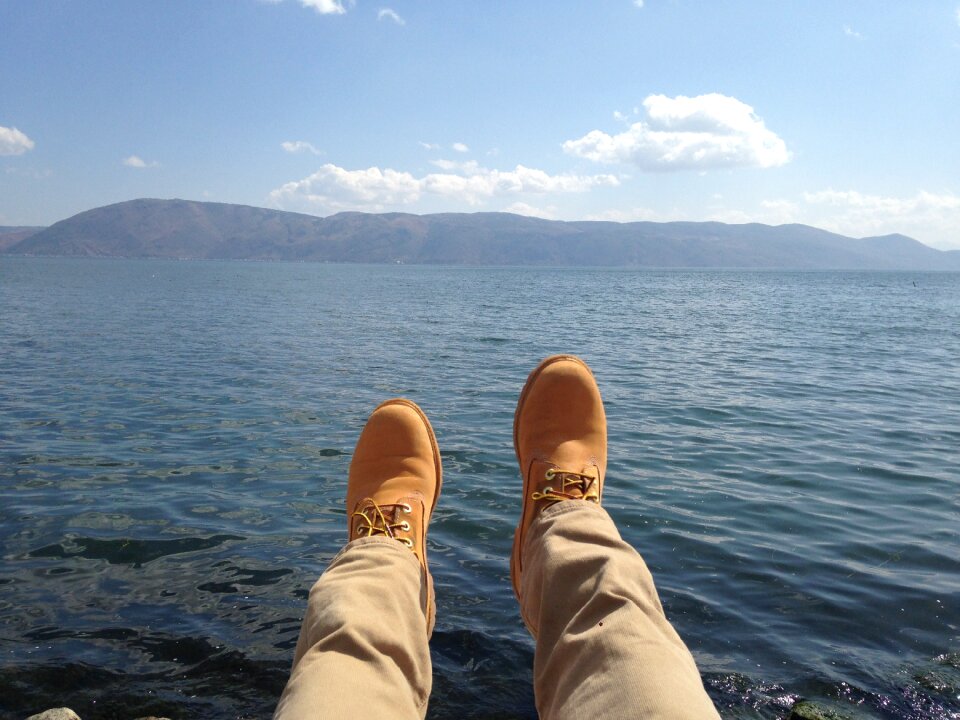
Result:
x=560 y=437
x=394 y=483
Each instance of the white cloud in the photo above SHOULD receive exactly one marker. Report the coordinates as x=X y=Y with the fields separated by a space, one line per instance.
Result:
x=135 y=161
x=638 y=3
x=299 y=146
x=14 y=142
x=890 y=206
x=429 y=146
x=29 y=173
x=688 y=133
x=460 y=147
x=779 y=212
x=325 y=7
x=387 y=13
x=478 y=183
x=522 y=208
x=931 y=218
x=928 y=217
x=333 y=188
x=629 y=215
x=850 y=32
x=731 y=217
x=464 y=167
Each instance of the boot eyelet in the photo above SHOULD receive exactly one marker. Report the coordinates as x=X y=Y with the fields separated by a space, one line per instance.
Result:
x=405 y=526
x=406 y=508
x=548 y=475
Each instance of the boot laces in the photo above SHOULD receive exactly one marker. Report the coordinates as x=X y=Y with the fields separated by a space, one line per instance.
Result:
x=374 y=520
x=571 y=486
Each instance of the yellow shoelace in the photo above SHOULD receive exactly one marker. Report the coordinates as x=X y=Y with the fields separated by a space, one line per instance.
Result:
x=573 y=486
x=373 y=521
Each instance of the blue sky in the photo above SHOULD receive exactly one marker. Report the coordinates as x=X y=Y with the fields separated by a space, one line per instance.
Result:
x=842 y=114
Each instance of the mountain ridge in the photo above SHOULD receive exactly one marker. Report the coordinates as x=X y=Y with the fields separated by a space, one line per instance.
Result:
x=186 y=229
x=13 y=234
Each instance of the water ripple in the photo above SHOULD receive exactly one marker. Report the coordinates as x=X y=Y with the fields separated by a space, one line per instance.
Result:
x=175 y=440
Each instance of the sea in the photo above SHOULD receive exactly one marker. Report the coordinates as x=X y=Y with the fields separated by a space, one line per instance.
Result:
x=175 y=438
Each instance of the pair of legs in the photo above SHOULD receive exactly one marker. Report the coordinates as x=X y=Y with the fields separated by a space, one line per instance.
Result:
x=603 y=645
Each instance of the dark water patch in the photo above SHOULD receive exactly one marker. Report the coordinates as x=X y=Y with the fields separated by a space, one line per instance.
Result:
x=40 y=423
x=59 y=571
x=738 y=696
x=256 y=683
x=816 y=698
x=942 y=676
x=74 y=462
x=226 y=684
x=91 y=691
x=481 y=677
x=46 y=634
x=183 y=650
x=128 y=551
x=242 y=577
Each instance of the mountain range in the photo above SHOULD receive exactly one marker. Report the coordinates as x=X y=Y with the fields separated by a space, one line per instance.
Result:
x=186 y=229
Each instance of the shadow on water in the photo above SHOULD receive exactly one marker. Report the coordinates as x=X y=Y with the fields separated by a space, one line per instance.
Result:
x=128 y=551
x=476 y=677
x=480 y=677
x=205 y=680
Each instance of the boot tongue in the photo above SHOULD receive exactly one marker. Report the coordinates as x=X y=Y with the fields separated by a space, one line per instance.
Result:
x=575 y=484
x=373 y=519
x=556 y=484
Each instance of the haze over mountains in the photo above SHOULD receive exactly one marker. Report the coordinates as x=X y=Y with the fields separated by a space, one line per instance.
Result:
x=199 y=230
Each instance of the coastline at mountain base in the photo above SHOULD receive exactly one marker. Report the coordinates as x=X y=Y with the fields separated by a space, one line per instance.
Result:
x=181 y=229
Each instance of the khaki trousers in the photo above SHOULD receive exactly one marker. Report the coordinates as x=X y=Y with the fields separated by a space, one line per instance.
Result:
x=604 y=648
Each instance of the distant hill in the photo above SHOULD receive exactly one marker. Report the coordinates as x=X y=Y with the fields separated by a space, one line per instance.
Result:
x=198 y=230
x=12 y=235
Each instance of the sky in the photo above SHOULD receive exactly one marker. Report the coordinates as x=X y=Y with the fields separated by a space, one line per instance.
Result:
x=842 y=114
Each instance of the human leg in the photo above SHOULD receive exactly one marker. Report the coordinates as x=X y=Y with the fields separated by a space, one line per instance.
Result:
x=363 y=646
x=604 y=646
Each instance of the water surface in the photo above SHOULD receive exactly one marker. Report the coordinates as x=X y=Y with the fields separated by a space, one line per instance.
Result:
x=175 y=438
